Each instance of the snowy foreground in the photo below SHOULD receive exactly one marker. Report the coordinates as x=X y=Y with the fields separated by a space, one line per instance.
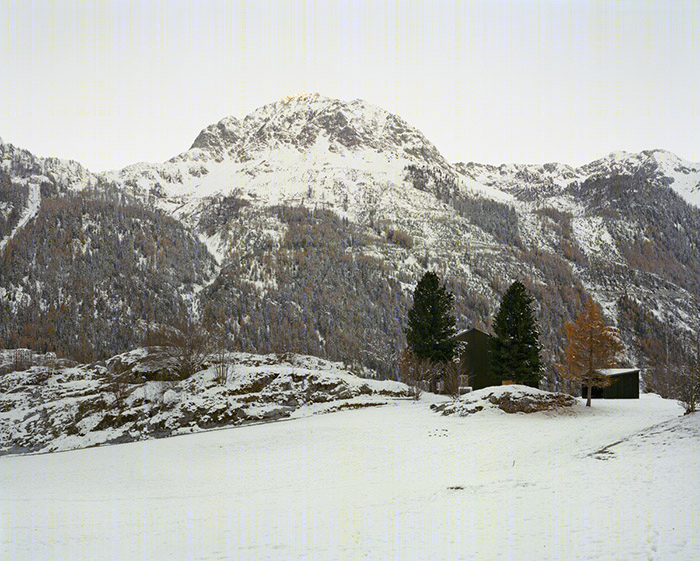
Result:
x=616 y=481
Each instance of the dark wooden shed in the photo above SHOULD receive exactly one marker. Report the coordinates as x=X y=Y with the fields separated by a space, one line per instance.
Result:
x=624 y=384
x=474 y=358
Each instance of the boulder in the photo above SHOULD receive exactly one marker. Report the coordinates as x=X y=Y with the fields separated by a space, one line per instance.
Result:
x=510 y=399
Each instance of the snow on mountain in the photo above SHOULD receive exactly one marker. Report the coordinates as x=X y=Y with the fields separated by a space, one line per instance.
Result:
x=536 y=181
x=524 y=181
x=25 y=168
x=657 y=165
x=348 y=156
x=30 y=211
x=216 y=139
x=396 y=207
x=327 y=151
x=685 y=175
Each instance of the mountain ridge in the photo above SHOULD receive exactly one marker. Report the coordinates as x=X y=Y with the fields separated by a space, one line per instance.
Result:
x=320 y=216
x=297 y=121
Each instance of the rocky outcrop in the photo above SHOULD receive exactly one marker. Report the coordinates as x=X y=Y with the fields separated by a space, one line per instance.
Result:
x=510 y=399
x=49 y=408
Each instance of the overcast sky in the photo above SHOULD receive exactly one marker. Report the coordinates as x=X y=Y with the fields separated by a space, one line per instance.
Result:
x=110 y=83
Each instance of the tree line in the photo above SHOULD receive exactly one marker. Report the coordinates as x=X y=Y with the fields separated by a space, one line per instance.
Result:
x=515 y=349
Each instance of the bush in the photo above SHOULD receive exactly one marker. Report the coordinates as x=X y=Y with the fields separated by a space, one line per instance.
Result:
x=400 y=238
x=187 y=342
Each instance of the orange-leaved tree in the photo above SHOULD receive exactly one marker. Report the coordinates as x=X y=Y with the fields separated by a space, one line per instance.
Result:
x=591 y=346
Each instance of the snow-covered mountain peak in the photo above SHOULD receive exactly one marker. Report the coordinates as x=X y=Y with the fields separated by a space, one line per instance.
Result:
x=343 y=155
x=350 y=203
x=219 y=137
x=25 y=168
x=657 y=165
x=346 y=127
x=525 y=181
x=632 y=162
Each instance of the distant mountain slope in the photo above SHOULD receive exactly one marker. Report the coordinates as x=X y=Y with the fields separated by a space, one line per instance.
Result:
x=305 y=225
x=85 y=276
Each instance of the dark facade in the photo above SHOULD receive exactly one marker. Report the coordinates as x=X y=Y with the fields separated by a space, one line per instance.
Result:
x=625 y=385
x=474 y=358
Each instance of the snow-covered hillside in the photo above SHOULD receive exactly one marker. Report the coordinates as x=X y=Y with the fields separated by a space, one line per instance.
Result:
x=53 y=407
x=615 y=481
x=29 y=212
x=667 y=168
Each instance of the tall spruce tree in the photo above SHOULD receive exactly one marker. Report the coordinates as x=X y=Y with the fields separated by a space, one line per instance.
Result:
x=431 y=327
x=515 y=350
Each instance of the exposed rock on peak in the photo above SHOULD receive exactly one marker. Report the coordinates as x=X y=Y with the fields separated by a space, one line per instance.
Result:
x=309 y=147
x=219 y=137
x=298 y=122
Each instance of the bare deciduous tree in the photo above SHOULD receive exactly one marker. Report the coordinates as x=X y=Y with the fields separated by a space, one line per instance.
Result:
x=121 y=389
x=222 y=368
x=451 y=376
x=687 y=382
x=673 y=369
x=187 y=342
x=415 y=371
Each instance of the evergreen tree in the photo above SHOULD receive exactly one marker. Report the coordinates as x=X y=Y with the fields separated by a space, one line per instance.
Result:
x=515 y=350
x=431 y=327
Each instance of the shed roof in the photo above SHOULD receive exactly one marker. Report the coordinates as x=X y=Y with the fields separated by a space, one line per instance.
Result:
x=617 y=371
x=465 y=331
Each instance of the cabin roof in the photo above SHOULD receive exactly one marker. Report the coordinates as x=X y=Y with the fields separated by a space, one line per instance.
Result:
x=617 y=371
x=465 y=331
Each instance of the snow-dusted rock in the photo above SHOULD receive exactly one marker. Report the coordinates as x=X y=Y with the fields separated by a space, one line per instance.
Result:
x=169 y=397
x=145 y=364
x=510 y=399
x=48 y=408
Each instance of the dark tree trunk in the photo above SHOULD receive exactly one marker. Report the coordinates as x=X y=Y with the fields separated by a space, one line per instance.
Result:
x=589 y=391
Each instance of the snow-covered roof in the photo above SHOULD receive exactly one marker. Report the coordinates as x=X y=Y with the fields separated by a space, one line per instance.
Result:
x=465 y=331
x=617 y=371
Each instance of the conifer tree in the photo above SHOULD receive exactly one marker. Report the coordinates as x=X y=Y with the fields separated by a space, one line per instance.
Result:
x=431 y=327
x=591 y=346
x=515 y=350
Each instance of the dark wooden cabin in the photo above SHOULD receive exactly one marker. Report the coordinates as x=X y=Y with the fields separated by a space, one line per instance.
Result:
x=474 y=358
x=624 y=384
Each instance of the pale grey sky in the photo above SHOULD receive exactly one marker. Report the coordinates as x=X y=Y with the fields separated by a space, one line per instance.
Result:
x=114 y=82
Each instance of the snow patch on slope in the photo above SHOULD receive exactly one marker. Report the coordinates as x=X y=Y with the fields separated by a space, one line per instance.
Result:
x=30 y=211
x=592 y=234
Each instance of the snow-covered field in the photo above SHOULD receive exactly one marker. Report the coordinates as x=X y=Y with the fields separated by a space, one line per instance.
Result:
x=396 y=482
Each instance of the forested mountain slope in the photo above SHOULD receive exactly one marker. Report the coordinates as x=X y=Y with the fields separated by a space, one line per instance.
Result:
x=305 y=226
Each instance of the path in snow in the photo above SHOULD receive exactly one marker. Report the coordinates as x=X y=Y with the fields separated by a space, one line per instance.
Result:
x=398 y=482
